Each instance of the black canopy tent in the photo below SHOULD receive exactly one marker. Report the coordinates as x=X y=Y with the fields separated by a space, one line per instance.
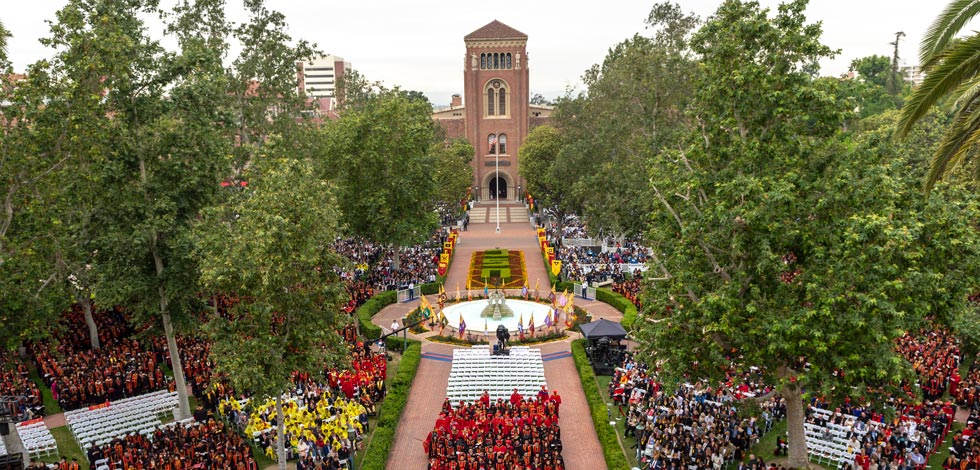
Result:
x=603 y=329
x=605 y=348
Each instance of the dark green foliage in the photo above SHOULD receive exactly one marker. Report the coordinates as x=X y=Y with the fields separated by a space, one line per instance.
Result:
x=619 y=303
x=379 y=449
x=369 y=309
x=611 y=449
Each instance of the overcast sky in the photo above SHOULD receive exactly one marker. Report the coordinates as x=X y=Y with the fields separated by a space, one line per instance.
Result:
x=418 y=44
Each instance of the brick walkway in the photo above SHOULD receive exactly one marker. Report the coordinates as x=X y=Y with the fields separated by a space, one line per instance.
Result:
x=582 y=450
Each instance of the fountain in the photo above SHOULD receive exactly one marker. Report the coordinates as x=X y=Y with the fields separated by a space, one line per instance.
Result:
x=479 y=314
x=497 y=307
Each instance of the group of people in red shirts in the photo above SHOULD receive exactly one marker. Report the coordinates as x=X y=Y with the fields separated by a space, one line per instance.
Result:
x=516 y=434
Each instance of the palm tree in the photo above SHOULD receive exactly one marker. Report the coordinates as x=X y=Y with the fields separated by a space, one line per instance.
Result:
x=4 y=34
x=951 y=67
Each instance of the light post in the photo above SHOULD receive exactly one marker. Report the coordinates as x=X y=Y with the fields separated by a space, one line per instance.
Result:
x=496 y=197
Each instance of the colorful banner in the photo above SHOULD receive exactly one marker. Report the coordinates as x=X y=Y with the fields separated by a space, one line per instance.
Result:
x=555 y=266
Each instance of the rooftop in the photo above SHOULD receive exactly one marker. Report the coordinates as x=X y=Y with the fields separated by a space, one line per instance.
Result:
x=495 y=30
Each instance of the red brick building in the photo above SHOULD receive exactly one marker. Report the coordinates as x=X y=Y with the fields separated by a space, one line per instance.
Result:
x=493 y=113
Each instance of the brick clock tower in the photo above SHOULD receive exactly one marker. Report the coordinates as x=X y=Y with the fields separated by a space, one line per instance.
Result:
x=495 y=83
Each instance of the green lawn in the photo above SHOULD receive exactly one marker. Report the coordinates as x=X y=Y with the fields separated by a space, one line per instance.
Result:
x=51 y=406
x=620 y=420
x=66 y=447
x=937 y=459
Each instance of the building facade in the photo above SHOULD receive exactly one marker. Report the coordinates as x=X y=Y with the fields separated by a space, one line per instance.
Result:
x=493 y=114
x=318 y=79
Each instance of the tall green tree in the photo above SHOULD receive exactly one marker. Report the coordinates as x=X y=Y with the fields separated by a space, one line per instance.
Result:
x=165 y=121
x=379 y=153
x=265 y=101
x=271 y=243
x=951 y=67
x=30 y=297
x=633 y=108
x=778 y=243
x=872 y=69
x=452 y=172
x=544 y=172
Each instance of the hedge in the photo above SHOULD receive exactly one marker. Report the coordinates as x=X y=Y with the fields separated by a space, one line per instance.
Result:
x=378 y=450
x=369 y=309
x=611 y=448
x=619 y=303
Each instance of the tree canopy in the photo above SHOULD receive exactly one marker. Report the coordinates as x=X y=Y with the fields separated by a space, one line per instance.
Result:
x=780 y=242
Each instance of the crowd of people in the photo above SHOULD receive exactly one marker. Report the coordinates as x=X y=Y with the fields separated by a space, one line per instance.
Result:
x=903 y=442
x=696 y=425
x=317 y=423
x=630 y=288
x=935 y=357
x=209 y=445
x=79 y=375
x=520 y=433
x=964 y=453
x=15 y=382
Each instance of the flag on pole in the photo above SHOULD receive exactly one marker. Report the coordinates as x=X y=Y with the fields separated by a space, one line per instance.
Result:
x=530 y=324
x=486 y=290
x=557 y=317
x=520 y=326
x=469 y=294
x=486 y=331
x=547 y=320
x=524 y=290
x=536 y=283
x=462 y=326
x=457 y=291
x=552 y=296
x=425 y=308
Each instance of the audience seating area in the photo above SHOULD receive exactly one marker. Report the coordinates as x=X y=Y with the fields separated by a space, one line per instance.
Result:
x=36 y=437
x=475 y=370
x=831 y=443
x=100 y=424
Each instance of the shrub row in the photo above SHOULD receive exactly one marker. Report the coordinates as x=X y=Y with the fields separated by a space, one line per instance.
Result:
x=611 y=449
x=619 y=303
x=377 y=451
x=369 y=309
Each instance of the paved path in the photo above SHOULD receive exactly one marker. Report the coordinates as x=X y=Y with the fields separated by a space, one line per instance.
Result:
x=517 y=234
x=582 y=450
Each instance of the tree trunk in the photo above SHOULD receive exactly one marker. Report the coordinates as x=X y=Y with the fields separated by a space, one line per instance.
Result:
x=794 y=425
x=396 y=260
x=85 y=299
x=281 y=431
x=183 y=404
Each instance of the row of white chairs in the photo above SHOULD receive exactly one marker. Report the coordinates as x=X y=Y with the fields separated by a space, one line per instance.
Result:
x=139 y=414
x=475 y=370
x=37 y=439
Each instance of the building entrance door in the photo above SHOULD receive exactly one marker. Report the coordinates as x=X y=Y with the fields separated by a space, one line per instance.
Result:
x=498 y=188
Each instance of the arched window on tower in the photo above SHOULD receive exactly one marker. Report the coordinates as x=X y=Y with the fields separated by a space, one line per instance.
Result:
x=483 y=61
x=492 y=143
x=508 y=61
x=502 y=143
x=497 y=99
x=496 y=61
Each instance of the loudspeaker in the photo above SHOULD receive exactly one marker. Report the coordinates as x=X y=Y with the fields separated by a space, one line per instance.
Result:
x=4 y=428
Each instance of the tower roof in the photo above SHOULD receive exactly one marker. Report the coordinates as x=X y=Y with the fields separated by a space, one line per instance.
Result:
x=495 y=30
